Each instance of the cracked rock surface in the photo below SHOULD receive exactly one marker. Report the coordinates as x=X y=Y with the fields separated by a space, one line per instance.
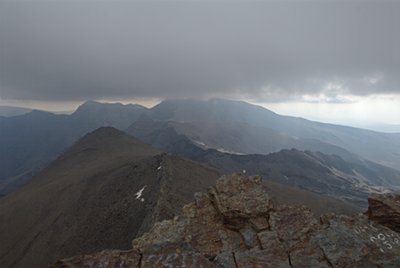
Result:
x=236 y=224
x=385 y=209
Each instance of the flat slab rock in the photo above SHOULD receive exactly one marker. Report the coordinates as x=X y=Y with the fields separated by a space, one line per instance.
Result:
x=236 y=224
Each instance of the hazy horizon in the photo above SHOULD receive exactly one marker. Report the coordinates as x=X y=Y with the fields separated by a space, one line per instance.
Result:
x=294 y=109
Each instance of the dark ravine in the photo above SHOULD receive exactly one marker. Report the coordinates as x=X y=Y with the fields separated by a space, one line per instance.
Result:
x=236 y=224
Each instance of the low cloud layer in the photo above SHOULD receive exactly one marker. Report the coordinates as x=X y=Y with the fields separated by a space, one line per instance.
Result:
x=267 y=51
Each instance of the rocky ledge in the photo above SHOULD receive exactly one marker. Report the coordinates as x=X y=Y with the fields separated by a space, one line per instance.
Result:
x=236 y=224
x=385 y=209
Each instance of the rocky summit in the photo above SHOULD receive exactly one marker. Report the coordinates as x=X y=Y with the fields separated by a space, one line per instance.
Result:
x=236 y=224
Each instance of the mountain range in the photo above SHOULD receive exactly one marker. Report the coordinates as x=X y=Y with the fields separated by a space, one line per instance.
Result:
x=241 y=127
x=352 y=179
x=31 y=141
x=102 y=176
x=104 y=191
x=7 y=111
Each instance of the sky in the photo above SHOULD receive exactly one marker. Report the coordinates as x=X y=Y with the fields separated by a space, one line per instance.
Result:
x=332 y=61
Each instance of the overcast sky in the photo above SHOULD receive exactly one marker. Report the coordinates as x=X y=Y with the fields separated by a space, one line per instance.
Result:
x=304 y=52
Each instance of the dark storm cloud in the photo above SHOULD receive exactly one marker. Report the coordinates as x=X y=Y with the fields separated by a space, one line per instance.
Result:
x=270 y=51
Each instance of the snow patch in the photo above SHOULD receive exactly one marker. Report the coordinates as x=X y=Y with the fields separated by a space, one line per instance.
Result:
x=202 y=144
x=159 y=168
x=139 y=194
x=222 y=150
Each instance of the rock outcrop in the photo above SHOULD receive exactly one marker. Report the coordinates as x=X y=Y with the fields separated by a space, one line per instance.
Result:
x=104 y=259
x=236 y=224
x=385 y=210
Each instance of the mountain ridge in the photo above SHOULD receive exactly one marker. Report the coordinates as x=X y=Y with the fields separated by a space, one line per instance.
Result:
x=236 y=224
x=313 y=171
x=32 y=140
x=108 y=183
x=8 y=111
x=102 y=192
x=382 y=148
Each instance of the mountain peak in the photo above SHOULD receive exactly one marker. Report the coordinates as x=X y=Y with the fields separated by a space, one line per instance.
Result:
x=8 y=111
x=105 y=132
x=102 y=135
x=85 y=200
x=215 y=110
x=110 y=141
x=89 y=105
x=95 y=114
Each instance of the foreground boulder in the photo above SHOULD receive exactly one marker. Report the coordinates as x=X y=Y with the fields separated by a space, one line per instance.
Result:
x=385 y=210
x=236 y=224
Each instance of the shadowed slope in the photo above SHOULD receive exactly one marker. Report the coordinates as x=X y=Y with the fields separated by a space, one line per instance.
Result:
x=253 y=129
x=29 y=142
x=237 y=224
x=101 y=193
x=351 y=178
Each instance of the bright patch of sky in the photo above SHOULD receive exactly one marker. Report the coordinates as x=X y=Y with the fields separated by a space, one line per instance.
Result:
x=324 y=107
x=353 y=110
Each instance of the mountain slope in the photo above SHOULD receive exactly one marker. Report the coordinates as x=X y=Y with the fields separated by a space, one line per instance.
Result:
x=295 y=132
x=351 y=179
x=93 y=114
x=101 y=193
x=30 y=141
x=8 y=111
x=237 y=224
